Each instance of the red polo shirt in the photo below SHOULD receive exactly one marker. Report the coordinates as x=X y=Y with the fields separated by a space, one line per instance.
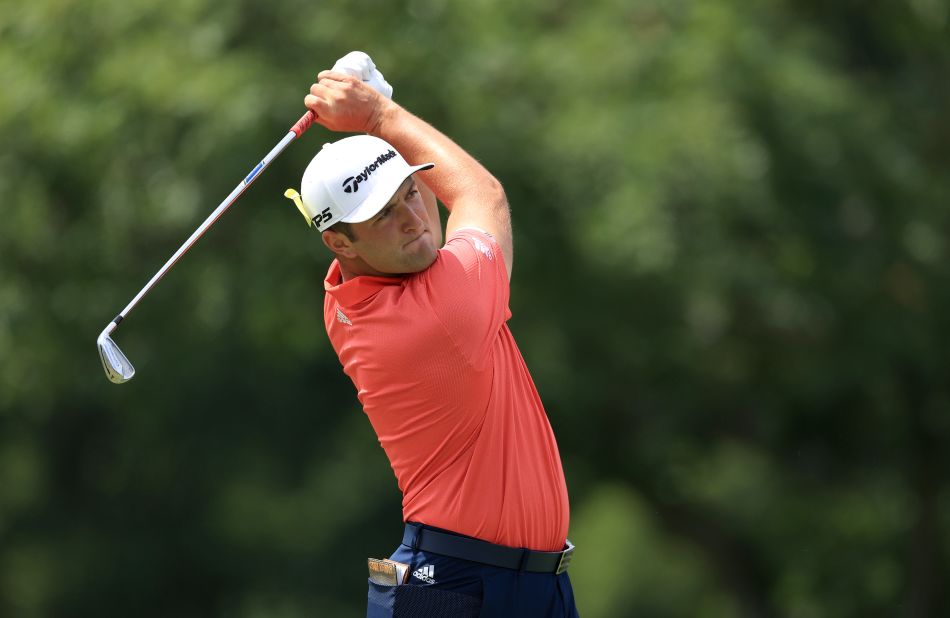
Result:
x=447 y=391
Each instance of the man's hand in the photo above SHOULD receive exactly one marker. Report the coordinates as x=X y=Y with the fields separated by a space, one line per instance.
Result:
x=345 y=103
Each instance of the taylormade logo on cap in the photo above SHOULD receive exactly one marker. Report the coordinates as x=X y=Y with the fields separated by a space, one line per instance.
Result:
x=352 y=184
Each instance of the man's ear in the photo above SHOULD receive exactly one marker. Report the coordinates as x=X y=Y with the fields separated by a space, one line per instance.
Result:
x=338 y=243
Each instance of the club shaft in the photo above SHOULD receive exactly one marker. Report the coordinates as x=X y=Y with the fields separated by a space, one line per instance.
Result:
x=198 y=233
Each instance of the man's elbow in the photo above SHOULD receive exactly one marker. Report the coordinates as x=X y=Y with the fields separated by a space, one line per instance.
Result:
x=501 y=213
x=496 y=197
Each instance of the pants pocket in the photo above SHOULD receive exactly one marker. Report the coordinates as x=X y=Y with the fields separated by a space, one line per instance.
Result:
x=408 y=601
x=380 y=600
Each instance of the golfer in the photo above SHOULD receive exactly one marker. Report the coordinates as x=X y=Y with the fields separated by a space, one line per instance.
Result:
x=420 y=328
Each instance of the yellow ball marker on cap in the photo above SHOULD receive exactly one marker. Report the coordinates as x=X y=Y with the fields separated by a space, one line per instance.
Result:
x=293 y=195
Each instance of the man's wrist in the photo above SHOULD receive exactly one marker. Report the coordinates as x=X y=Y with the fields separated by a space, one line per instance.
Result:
x=385 y=116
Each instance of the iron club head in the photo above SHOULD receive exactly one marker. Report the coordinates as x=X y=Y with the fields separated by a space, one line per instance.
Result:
x=116 y=365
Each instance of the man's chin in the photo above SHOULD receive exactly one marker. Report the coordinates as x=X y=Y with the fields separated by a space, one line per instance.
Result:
x=423 y=253
x=424 y=262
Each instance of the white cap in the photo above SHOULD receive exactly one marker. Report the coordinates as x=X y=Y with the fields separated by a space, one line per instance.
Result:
x=351 y=180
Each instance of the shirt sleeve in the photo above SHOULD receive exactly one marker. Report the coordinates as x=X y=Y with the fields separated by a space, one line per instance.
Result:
x=468 y=290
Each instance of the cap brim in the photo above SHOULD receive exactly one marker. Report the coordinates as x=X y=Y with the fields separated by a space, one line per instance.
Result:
x=384 y=192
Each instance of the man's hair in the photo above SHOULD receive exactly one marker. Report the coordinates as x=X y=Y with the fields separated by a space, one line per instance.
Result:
x=342 y=227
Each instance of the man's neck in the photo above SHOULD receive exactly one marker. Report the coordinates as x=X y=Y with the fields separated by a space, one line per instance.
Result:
x=345 y=273
x=350 y=269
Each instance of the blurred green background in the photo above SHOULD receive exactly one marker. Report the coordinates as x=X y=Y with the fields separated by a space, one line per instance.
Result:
x=732 y=288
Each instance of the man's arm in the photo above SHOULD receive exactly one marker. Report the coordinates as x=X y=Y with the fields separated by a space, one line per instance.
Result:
x=472 y=195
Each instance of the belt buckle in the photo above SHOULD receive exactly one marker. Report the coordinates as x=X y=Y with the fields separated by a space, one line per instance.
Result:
x=565 y=559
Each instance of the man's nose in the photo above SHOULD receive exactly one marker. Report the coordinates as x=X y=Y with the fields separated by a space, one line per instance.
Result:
x=411 y=220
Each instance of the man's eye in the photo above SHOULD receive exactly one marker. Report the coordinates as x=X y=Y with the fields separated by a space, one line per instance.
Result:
x=412 y=193
x=385 y=213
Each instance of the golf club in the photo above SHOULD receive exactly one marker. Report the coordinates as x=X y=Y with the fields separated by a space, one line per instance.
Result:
x=116 y=364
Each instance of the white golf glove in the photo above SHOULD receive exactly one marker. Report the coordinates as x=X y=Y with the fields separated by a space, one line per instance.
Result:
x=360 y=65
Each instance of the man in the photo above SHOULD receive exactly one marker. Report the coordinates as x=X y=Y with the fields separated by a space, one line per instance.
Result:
x=420 y=328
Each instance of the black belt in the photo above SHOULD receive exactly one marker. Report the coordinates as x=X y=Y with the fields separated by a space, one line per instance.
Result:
x=425 y=538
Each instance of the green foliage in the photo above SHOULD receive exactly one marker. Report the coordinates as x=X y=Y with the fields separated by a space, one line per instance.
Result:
x=731 y=288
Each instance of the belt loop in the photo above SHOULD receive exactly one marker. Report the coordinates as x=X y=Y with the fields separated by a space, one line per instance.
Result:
x=415 y=537
x=523 y=562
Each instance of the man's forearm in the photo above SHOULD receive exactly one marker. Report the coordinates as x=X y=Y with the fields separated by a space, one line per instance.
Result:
x=457 y=175
x=473 y=196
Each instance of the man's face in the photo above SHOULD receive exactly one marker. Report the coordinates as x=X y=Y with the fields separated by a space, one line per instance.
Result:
x=402 y=238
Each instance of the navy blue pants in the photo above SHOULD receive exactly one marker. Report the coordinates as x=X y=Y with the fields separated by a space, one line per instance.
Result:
x=444 y=586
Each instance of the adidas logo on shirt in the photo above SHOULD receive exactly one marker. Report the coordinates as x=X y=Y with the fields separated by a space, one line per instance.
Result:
x=425 y=573
x=483 y=248
x=341 y=317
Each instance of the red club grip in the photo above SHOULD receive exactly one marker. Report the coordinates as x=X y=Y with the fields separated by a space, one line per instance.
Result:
x=304 y=123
